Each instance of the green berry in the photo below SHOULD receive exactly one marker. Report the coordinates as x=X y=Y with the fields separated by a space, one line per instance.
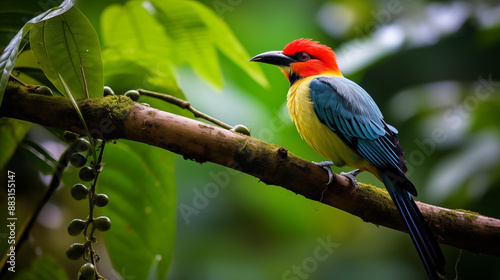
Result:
x=78 y=159
x=241 y=129
x=108 y=91
x=102 y=223
x=79 y=191
x=101 y=200
x=86 y=272
x=81 y=145
x=76 y=226
x=43 y=90
x=70 y=136
x=87 y=173
x=133 y=94
x=75 y=251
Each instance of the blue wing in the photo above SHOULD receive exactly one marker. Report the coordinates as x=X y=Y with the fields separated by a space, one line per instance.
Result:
x=350 y=112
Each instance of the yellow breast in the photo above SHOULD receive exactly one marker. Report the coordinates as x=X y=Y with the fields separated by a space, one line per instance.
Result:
x=319 y=136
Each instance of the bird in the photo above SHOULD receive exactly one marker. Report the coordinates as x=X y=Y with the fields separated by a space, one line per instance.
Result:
x=342 y=122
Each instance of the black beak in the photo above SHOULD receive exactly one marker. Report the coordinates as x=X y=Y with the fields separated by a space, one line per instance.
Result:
x=274 y=58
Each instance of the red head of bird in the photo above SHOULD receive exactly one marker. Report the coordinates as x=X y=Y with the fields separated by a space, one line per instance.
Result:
x=302 y=58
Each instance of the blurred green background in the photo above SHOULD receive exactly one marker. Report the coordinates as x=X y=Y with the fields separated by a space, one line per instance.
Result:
x=431 y=66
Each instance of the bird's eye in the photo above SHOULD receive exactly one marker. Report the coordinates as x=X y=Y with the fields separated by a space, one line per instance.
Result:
x=303 y=56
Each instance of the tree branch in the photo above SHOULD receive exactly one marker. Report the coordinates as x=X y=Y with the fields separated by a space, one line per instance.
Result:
x=117 y=117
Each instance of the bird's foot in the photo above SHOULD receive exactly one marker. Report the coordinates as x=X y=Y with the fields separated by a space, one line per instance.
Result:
x=352 y=176
x=326 y=165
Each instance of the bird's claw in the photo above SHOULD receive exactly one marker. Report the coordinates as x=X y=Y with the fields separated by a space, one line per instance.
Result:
x=349 y=175
x=352 y=176
x=326 y=165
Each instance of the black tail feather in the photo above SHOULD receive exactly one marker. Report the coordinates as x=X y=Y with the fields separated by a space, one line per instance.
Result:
x=425 y=242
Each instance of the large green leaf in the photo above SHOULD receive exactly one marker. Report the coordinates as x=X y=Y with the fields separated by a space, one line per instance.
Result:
x=139 y=180
x=43 y=268
x=132 y=36
x=64 y=45
x=9 y=54
x=164 y=33
x=225 y=41
x=197 y=33
x=131 y=32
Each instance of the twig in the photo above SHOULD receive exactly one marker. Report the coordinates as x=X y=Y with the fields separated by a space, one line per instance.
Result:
x=17 y=80
x=184 y=105
x=93 y=255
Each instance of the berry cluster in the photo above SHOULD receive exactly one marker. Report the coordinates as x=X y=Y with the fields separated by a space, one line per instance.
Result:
x=80 y=150
x=88 y=173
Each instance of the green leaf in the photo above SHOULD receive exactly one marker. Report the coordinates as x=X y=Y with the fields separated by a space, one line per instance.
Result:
x=139 y=180
x=196 y=33
x=9 y=55
x=136 y=49
x=226 y=42
x=42 y=268
x=131 y=32
x=164 y=33
x=66 y=44
x=191 y=38
x=12 y=133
